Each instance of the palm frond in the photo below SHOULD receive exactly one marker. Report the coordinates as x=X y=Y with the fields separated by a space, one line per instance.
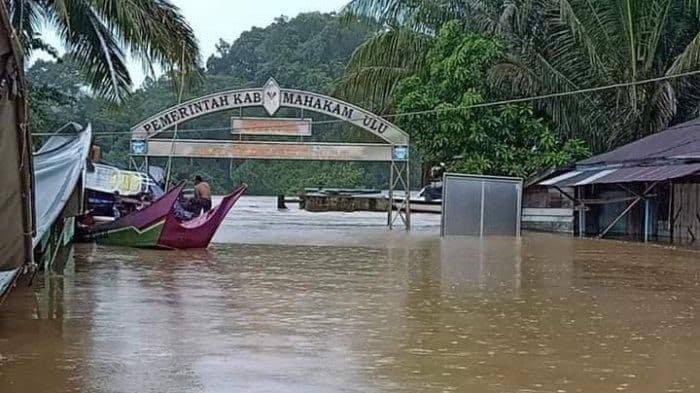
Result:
x=92 y=45
x=98 y=32
x=154 y=30
x=688 y=60
x=580 y=39
x=380 y=63
x=424 y=16
x=25 y=18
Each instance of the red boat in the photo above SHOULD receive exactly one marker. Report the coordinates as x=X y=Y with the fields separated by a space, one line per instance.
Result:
x=157 y=225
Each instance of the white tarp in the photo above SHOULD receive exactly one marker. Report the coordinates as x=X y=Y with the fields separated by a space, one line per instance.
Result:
x=58 y=166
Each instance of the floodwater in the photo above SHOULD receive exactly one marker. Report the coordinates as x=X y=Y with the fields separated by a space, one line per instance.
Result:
x=299 y=302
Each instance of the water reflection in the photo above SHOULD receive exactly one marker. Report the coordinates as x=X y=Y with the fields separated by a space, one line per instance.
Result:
x=487 y=264
x=540 y=314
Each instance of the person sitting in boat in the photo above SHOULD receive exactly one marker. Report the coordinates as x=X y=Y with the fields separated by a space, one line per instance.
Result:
x=145 y=199
x=117 y=205
x=181 y=210
x=202 y=196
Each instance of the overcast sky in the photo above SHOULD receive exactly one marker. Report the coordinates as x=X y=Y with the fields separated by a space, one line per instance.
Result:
x=227 y=19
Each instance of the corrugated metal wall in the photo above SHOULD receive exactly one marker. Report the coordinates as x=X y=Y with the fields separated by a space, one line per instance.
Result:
x=481 y=205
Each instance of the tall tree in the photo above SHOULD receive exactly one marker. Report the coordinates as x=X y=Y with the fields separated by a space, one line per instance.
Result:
x=98 y=34
x=504 y=140
x=306 y=52
x=568 y=45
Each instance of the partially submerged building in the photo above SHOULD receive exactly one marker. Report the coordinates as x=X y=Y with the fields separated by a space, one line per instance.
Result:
x=648 y=190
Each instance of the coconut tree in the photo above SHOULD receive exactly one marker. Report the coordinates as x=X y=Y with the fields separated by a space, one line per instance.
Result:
x=566 y=45
x=99 y=33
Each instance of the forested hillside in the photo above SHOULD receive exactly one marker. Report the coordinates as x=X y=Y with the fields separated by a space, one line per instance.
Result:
x=307 y=52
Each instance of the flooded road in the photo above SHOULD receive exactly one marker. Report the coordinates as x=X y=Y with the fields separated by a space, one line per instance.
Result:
x=334 y=303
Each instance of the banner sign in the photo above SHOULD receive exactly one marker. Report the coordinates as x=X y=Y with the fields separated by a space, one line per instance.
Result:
x=139 y=147
x=270 y=126
x=400 y=153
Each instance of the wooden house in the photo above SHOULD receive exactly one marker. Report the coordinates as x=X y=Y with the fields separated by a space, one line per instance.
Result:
x=648 y=190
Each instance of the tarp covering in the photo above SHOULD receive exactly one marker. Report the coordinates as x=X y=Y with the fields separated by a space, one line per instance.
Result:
x=58 y=166
x=15 y=153
x=6 y=280
x=108 y=179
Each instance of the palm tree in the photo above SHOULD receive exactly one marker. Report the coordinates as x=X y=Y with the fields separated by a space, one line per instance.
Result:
x=98 y=33
x=379 y=64
x=568 y=45
x=396 y=51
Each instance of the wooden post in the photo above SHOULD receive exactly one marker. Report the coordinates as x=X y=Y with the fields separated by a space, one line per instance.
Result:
x=647 y=219
x=390 y=218
x=581 y=214
x=670 y=212
x=280 y=203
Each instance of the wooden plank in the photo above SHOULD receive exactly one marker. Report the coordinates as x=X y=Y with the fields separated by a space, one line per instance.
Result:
x=270 y=150
x=551 y=212
x=686 y=209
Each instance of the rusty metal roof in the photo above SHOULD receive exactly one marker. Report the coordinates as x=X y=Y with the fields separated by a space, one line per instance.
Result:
x=667 y=155
x=680 y=141
x=651 y=173
x=630 y=174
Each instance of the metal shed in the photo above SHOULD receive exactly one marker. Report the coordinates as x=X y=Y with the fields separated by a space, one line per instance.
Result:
x=474 y=205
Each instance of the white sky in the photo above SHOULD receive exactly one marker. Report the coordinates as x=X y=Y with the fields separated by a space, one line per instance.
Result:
x=227 y=19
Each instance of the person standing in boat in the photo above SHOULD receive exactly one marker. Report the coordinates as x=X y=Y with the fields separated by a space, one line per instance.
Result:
x=202 y=195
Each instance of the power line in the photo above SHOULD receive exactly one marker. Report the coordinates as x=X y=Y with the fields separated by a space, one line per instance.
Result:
x=432 y=111
x=551 y=95
x=192 y=130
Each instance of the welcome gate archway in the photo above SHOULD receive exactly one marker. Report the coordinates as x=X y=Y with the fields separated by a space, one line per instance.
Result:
x=393 y=150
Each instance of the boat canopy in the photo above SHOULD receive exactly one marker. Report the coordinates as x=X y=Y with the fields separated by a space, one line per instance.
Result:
x=109 y=180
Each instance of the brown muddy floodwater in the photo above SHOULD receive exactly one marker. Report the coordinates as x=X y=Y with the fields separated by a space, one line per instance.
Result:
x=316 y=306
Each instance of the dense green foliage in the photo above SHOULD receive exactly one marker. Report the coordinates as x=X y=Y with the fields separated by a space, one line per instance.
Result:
x=501 y=140
x=96 y=32
x=396 y=69
x=307 y=52
x=553 y=46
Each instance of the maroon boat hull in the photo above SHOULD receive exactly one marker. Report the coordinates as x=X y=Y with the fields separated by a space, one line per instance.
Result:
x=197 y=233
x=156 y=226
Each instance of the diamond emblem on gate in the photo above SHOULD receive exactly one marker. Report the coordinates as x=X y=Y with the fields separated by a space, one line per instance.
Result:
x=271 y=96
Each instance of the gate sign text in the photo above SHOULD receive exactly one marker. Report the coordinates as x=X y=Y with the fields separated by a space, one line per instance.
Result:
x=271 y=97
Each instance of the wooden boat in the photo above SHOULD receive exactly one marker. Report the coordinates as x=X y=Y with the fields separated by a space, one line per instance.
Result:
x=156 y=226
